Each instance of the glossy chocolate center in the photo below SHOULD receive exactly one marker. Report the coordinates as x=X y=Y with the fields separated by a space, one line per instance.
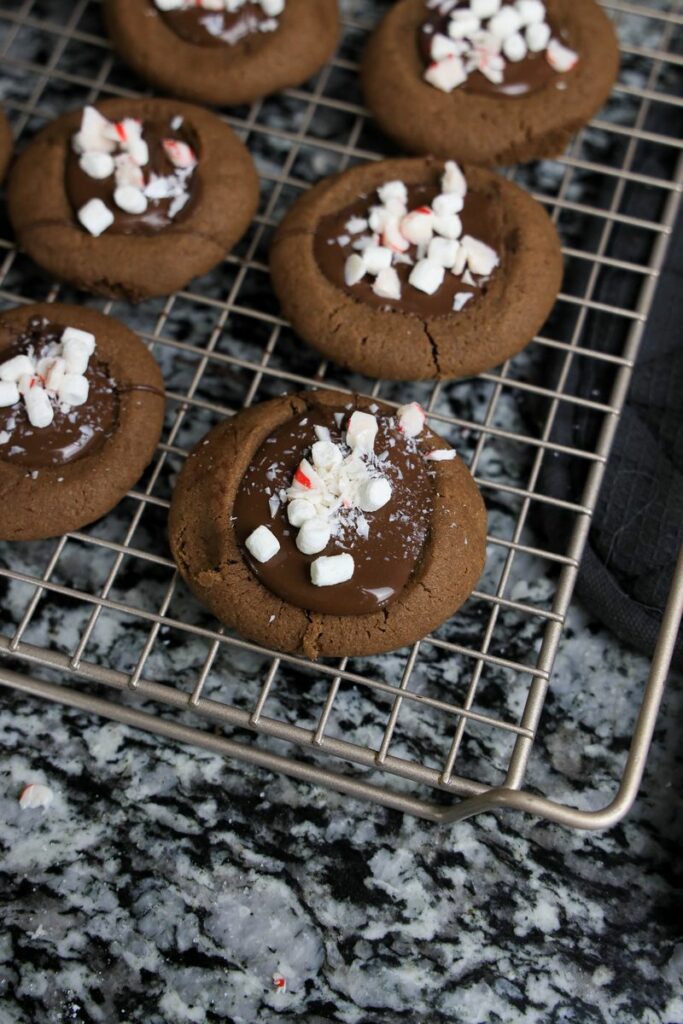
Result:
x=384 y=560
x=160 y=213
x=73 y=433
x=333 y=244
x=519 y=77
x=217 y=28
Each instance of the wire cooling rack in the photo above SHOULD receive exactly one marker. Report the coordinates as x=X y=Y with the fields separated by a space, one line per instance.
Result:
x=99 y=620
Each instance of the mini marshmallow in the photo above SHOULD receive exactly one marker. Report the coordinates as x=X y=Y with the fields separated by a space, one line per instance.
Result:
x=443 y=47
x=532 y=12
x=393 y=190
x=9 y=393
x=361 y=431
x=453 y=180
x=127 y=171
x=299 y=510
x=55 y=373
x=38 y=407
x=441 y=455
x=505 y=23
x=322 y=433
x=329 y=570
x=262 y=544
x=25 y=382
x=560 y=57
x=96 y=165
x=418 y=226
x=325 y=454
x=169 y=5
x=76 y=356
x=374 y=494
x=460 y=300
x=485 y=8
x=426 y=276
x=73 y=389
x=514 y=47
x=411 y=419
x=84 y=338
x=463 y=24
x=446 y=74
x=35 y=795
x=460 y=262
x=447 y=203
x=448 y=226
x=273 y=8
x=443 y=251
x=376 y=258
x=354 y=270
x=13 y=369
x=92 y=135
x=130 y=199
x=355 y=225
x=95 y=217
x=537 y=36
x=377 y=218
x=314 y=536
x=387 y=284
x=481 y=258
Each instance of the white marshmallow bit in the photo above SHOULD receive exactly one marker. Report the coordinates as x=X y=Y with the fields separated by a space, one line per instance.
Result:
x=299 y=510
x=73 y=389
x=411 y=419
x=447 y=203
x=55 y=373
x=84 y=338
x=25 y=382
x=418 y=226
x=448 y=226
x=95 y=217
x=485 y=8
x=35 y=795
x=354 y=270
x=443 y=251
x=328 y=570
x=262 y=544
x=460 y=300
x=481 y=258
x=505 y=23
x=38 y=407
x=376 y=258
x=560 y=57
x=76 y=354
x=537 y=36
x=130 y=199
x=387 y=284
x=325 y=455
x=361 y=431
x=127 y=171
x=96 y=165
x=514 y=47
x=463 y=24
x=441 y=455
x=443 y=47
x=532 y=12
x=15 y=368
x=9 y=393
x=92 y=136
x=273 y=8
x=453 y=180
x=393 y=190
x=377 y=218
x=314 y=536
x=426 y=276
x=446 y=74
x=322 y=433
x=355 y=225
x=374 y=494
x=169 y=5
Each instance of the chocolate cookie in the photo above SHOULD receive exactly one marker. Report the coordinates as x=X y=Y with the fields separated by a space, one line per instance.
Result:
x=411 y=269
x=489 y=81
x=225 y=53
x=5 y=144
x=328 y=525
x=81 y=411
x=134 y=198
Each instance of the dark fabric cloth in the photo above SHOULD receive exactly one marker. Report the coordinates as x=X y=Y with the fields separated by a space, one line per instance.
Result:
x=637 y=528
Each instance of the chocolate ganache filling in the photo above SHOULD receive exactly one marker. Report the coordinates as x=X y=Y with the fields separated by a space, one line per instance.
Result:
x=518 y=77
x=386 y=545
x=333 y=244
x=171 y=192
x=203 y=27
x=75 y=431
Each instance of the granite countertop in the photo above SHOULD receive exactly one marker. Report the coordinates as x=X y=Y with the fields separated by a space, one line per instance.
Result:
x=166 y=885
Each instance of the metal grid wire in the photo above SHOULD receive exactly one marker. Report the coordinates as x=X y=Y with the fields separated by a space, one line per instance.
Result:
x=222 y=347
